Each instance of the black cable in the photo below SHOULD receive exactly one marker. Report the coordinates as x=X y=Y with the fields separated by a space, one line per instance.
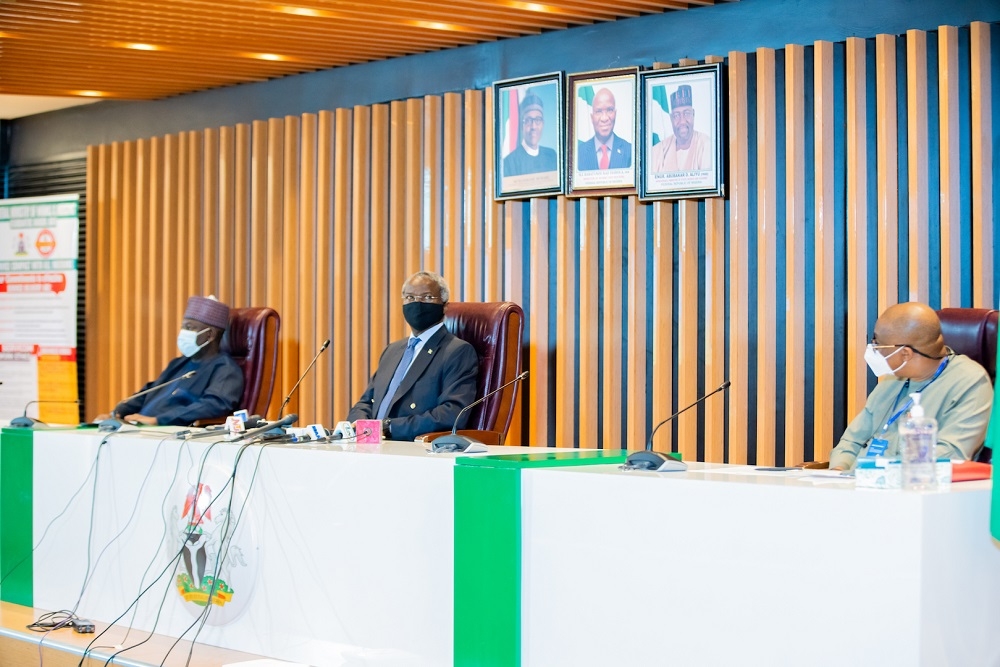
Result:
x=171 y=563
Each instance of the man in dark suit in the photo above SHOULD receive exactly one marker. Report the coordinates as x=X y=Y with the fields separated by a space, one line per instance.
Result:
x=606 y=150
x=422 y=383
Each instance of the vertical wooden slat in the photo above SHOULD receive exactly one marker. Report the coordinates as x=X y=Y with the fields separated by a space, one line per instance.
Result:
x=451 y=220
x=917 y=169
x=638 y=378
x=171 y=292
x=227 y=215
x=739 y=279
x=663 y=316
x=566 y=377
x=360 y=275
x=715 y=321
x=399 y=137
x=177 y=229
x=472 y=252
x=311 y=332
x=155 y=353
x=343 y=396
x=857 y=226
x=983 y=294
x=415 y=241
x=513 y=290
x=286 y=272
x=192 y=218
x=127 y=287
x=767 y=310
x=613 y=322
x=824 y=150
x=140 y=265
x=209 y=237
x=687 y=289
x=432 y=183
x=795 y=254
x=325 y=378
x=380 y=291
x=539 y=384
x=949 y=105
x=256 y=270
x=590 y=324
x=493 y=216
x=97 y=400
x=243 y=213
x=270 y=267
x=887 y=143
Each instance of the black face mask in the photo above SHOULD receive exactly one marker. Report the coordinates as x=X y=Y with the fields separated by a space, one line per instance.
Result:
x=422 y=316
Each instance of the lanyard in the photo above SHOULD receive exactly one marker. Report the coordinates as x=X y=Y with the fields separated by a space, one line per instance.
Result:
x=909 y=402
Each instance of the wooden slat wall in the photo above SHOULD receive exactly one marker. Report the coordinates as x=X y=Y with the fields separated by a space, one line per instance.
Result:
x=633 y=309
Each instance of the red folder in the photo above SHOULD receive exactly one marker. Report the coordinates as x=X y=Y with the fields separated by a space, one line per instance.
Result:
x=966 y=471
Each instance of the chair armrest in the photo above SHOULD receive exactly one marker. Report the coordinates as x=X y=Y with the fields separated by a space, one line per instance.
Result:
x=210 y=421
x=485 y=437
x=814 y=465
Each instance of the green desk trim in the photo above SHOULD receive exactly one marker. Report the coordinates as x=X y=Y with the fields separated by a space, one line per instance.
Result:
x=487 y=605
x=16 y=511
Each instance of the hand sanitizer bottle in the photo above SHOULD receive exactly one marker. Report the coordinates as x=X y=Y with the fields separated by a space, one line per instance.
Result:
x=917 y=443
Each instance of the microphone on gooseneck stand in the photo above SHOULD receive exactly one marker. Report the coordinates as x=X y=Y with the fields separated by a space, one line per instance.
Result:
x=453 y=442
x=113 y=424
x=260 y=430
x=647 y=459
x=312 y=363
x=24 y=421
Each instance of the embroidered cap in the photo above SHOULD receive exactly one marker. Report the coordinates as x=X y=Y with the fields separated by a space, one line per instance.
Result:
x=207 y=310
x=681 y=97
x=530 y=101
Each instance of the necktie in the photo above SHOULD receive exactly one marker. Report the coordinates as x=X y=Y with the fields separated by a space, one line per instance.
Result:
x=397 y=377
x=605 y=160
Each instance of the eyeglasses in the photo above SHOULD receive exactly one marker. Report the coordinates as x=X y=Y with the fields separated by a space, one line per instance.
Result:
x=426 y=298
x=879 y=347
x=686 y=114
x=533 y=121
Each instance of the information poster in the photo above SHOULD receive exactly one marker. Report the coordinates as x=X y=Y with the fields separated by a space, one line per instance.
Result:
x=39 y=249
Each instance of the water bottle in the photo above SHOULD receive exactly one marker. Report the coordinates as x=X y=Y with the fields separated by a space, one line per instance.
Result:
x=917 y=443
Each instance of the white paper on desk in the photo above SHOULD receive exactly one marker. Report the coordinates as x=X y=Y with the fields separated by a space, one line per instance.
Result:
x=749 y=470
x=265 y=662
x=826 y=477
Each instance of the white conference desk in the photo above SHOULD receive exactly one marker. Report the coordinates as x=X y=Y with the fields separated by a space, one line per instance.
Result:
x=348 y=558
x=339 y=557
x=709 y=567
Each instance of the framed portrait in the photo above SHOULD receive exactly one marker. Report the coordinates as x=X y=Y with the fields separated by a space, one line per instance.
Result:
x=682 y=134
x=528 y=136
x=602 y=122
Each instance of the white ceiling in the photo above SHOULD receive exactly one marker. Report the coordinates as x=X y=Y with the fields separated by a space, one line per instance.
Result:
x=16 y=106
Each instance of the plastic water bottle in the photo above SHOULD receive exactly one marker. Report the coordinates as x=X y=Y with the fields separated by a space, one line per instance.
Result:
x=917 y=444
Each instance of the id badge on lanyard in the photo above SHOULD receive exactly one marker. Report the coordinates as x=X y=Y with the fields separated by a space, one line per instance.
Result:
x=880 y=442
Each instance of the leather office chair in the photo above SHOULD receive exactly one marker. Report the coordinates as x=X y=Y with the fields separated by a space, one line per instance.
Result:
x=495 y=329
x=972 y=332
x=252 y=341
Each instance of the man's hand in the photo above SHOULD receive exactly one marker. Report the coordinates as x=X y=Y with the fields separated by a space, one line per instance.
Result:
x=100 y=418
x=142 y=419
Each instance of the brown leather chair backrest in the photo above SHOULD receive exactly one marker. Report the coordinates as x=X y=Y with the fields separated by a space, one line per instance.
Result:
x=495 y=329
x=972 y=332
x=252 y=341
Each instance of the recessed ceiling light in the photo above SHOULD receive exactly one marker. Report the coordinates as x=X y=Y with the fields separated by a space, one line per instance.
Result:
x=89 y=93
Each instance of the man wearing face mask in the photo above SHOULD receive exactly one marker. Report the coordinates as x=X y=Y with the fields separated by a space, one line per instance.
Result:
x=215 y=388
x=423 y=382
x=956 y=391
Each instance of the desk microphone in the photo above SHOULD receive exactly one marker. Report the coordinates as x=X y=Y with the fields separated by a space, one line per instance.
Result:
x=24 y=421
x=113 y=424
x=453 y=442
x=647 y=459
x=284 y=421
x=302 y=377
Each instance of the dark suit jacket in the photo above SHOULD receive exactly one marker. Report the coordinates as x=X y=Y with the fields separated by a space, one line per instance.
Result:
x=441 y=381
x=586 y=154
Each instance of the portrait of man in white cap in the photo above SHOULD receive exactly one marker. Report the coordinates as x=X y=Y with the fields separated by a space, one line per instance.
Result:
x=686 y=149
x=530 y=157
x=215 y=388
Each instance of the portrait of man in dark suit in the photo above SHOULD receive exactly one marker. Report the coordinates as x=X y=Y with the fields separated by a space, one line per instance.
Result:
x=422 y=382
x=606 y=150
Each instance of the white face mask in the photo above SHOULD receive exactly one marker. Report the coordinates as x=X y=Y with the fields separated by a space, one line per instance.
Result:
x=187 y=342
x=879 y=364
